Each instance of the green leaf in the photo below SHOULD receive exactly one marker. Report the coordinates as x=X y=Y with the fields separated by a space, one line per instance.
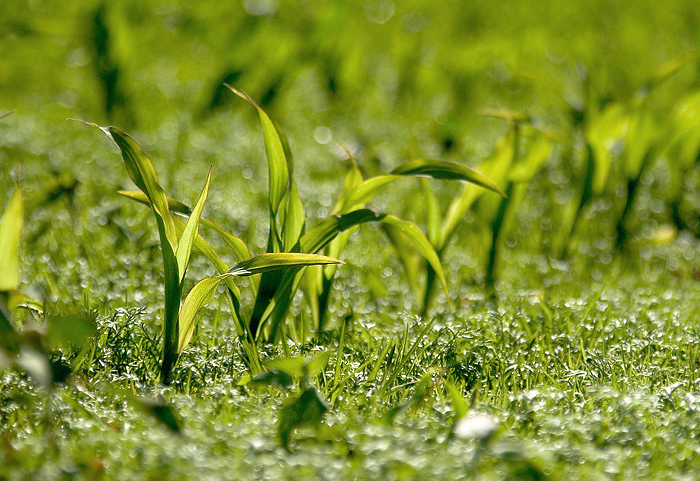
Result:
x=536 y=155
x=189 y=235
x=365 y=192
x=603 y=134
x=275 y=261
x=459 y=405
x=327 y=230
x=441 y=169
x=276 y=156
x=173 y=205
x=496 y=168
x=237 y=244
x=142 y=173
x=306 y=410
x=197 y=298
x=293 y=366
x=317 y=363
x=432 y=213
x=422 y=245
x=70 y=330
x=294 y=219
x=10 y=234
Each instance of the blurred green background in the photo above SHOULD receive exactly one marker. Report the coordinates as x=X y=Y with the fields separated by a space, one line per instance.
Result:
x=433 y=64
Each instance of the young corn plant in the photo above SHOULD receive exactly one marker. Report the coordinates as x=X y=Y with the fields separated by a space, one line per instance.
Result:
x=288 y=223
x=359 y=191
x=508 y=173
x=627 y=135
x=178 y=239
x=289 y=239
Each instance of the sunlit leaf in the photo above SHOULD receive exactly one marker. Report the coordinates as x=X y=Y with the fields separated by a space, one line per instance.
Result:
x=189 y=235
x=294 y=219
x=276 y=261
x=604 y=133
x=324 y=232
x=440 y=169
x=276 y=155
x=10 y=233
x=196 y=299
x=422 y=245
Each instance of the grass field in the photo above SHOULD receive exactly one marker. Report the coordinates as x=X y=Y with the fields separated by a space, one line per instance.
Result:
x=547 y=333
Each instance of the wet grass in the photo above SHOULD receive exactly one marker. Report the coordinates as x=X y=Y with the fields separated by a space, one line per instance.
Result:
x=586 y=368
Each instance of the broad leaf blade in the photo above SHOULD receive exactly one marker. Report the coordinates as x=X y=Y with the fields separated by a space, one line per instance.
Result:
x=441 y=169
x=10 y=233
x=189 y=235
x=276 y=261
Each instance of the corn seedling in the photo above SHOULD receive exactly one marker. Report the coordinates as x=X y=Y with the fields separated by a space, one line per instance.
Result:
x=287 y=224
x=177 y=240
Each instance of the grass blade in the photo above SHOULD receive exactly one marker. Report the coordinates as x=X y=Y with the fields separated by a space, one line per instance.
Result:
x=10 y=233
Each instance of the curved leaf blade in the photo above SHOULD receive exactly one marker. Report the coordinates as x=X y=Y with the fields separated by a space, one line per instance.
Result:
x=280 y=260
x=10 y=234
x=276 y=155
x=365 y=192
x=327 y=230
x=442 y=169
x=422 y=245
x=197 y=298
x=191 y=231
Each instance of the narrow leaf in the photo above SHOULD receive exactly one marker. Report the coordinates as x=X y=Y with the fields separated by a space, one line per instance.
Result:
x=276 y=158
x=237 y=244
x=173 y=205
x=365 y=192
x=441 y=169
x=189 y=235
x=276 y=261
x=422 y=245
x=197 y=298
x=327 y=230
x=10 y=233
x=294 y=219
